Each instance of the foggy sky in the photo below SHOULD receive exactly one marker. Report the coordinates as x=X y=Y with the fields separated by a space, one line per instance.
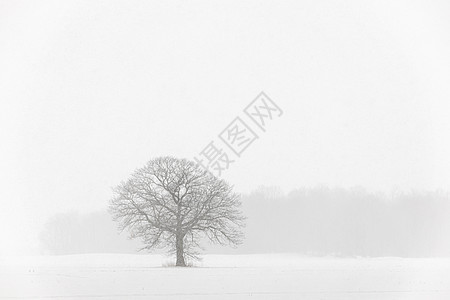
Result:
x=90 y=91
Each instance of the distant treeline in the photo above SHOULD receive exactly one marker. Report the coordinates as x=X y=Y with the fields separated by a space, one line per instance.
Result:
x=311 y=221
x=348 y=222
x=73 y=233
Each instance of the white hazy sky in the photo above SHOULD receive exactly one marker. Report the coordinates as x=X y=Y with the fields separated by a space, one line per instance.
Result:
x=91 y=90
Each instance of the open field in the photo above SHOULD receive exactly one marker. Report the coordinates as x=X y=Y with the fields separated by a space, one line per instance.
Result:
x=280 y=276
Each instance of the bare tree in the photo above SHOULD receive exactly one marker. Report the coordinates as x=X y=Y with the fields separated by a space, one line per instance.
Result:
x=173 y=203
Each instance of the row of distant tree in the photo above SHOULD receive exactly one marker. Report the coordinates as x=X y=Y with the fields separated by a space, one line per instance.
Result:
x=349 y=222
x=311 y=221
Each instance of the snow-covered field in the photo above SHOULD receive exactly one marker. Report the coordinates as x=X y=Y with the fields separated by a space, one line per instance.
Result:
x=280 y=276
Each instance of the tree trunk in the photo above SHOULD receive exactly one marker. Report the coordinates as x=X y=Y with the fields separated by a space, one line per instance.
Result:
x=180 y=251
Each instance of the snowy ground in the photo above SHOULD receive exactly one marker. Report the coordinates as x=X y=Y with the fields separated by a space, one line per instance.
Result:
x=112 y=276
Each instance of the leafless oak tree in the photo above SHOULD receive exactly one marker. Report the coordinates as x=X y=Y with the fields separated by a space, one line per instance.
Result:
x=173 y=203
